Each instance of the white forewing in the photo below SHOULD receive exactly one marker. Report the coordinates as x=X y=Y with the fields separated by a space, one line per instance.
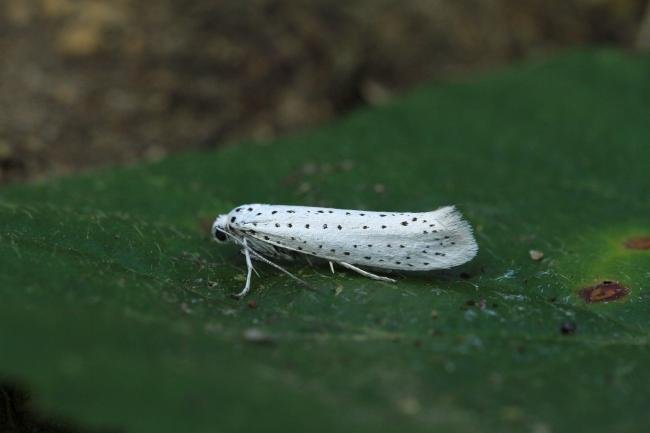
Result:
x=420 y=241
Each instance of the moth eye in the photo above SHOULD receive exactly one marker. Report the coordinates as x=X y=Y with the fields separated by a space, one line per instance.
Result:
x=220 y=235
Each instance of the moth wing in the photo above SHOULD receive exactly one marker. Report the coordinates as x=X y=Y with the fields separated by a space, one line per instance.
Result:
x=451 y=244
x=423 y=241
x=438 y=239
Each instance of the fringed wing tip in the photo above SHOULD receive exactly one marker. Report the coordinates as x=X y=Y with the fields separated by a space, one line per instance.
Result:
x=466 y=246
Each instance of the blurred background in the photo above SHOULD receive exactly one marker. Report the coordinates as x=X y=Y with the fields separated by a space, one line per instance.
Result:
x=89 y=83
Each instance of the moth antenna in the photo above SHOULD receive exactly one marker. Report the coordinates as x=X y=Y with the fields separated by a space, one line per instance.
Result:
x=234 y=238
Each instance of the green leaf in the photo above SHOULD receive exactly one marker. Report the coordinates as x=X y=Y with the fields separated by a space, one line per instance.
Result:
x=115 y=308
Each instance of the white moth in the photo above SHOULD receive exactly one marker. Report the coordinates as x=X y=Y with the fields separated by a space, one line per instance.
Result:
x=403 y=241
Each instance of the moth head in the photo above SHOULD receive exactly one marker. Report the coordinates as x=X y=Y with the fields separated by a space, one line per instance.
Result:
x=219 y=228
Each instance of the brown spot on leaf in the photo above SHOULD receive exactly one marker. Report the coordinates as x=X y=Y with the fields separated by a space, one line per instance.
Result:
x=640 y=243
x=603 y=292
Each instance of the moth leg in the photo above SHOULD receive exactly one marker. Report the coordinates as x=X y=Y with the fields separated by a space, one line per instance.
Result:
x=366 y=273
x=332 y=266
x=249 y=264
x=269 y=262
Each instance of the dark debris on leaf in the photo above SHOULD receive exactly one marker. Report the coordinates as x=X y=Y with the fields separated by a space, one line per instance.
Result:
x=568 y=328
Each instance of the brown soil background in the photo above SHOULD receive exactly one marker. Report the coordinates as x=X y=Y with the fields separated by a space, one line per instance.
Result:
x=89 y=83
